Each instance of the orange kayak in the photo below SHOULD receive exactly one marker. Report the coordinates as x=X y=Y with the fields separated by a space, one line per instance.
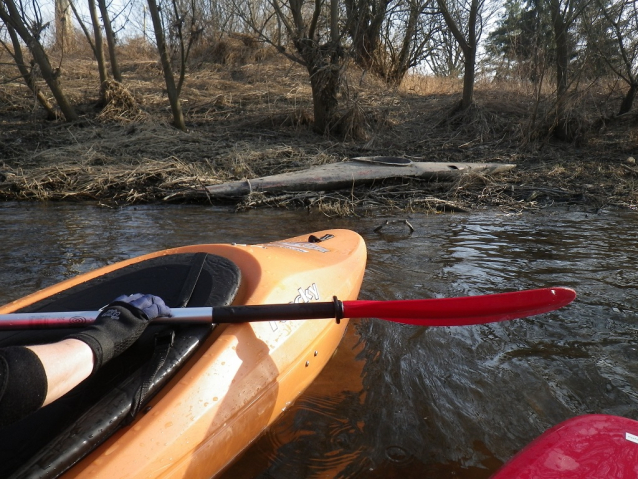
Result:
x=218 y=388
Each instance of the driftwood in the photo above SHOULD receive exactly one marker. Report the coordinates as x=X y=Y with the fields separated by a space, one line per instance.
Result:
x=347 y=175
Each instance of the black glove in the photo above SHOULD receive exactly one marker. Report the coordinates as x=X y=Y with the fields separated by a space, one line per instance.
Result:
x=120 y=324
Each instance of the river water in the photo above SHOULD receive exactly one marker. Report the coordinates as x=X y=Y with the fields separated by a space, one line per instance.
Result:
x=397 y=400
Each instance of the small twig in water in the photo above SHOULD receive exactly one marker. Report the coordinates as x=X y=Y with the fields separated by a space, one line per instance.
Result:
x=388 y=222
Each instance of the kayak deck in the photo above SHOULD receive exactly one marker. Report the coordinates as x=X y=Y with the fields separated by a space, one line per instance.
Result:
x=243 y=376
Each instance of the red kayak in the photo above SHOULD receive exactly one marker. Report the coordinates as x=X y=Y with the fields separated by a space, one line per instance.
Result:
x=595 y=446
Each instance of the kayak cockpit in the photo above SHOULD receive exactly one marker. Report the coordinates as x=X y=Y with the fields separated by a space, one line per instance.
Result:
x=59 y=435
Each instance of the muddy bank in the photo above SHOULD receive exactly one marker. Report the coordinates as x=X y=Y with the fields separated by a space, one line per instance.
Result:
x=253 y=121
x=95 y=169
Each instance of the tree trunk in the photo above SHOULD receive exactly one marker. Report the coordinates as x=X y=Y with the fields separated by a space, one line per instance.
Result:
x=364 y=22
x=325 y=86
x=26 y=74
x=171 y=89
x=110 y=40
x=99 y=45
x=469 y=77
x=334 y=21
x=324 y=72
x=562 y=58
x=51 y=77
x=11 y=16
x=64 y=37
x=628 y=101
x=468 y=46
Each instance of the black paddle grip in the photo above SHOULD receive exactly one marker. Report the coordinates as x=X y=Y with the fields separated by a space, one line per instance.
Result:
x=278 y=312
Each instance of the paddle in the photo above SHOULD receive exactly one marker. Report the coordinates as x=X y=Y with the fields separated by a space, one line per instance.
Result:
x=423 y=312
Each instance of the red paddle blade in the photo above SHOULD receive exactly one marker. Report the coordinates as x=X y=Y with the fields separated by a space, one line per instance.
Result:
x=590 y=446
x=465 y=310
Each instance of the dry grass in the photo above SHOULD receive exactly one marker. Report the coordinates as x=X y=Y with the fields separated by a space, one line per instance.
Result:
x=249 y=114
x=136 y=182
x=417 y=84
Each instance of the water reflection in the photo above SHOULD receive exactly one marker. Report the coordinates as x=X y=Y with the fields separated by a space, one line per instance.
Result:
x=397 y=400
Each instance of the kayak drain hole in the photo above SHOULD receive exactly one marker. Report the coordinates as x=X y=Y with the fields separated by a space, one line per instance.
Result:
x=397 y=454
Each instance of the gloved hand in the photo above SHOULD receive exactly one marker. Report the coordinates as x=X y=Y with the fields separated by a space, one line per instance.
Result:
x=119 y=325
x=152 y=306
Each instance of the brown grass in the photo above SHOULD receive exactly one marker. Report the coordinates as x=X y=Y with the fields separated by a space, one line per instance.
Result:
x=249 y=114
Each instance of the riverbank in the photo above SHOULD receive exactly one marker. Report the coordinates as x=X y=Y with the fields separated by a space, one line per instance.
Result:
x=254 y=120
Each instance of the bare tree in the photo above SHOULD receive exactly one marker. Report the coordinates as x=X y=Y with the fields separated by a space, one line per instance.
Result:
x=388 y=36
x=466 y=24
x=621 y=18
x=406 y=38
x=110 y=40
x=165 y=58
x=99 y=44
x=564 y=14
x=313 y=31
x=29 y=30
x=561 y=20
x=26 y=73
x=64 y=35
x=217 y=18
x=364 y=22
x=444 y=55
x=95 y=41
x=96 y=38
x=185 y=32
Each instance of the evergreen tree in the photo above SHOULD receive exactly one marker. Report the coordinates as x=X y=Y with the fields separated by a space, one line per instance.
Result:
x=523 y=38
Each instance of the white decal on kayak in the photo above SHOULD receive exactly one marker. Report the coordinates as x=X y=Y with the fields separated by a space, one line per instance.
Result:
x=299 y=246
x=308 y=294
x=631 y=437
x=305 y=296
